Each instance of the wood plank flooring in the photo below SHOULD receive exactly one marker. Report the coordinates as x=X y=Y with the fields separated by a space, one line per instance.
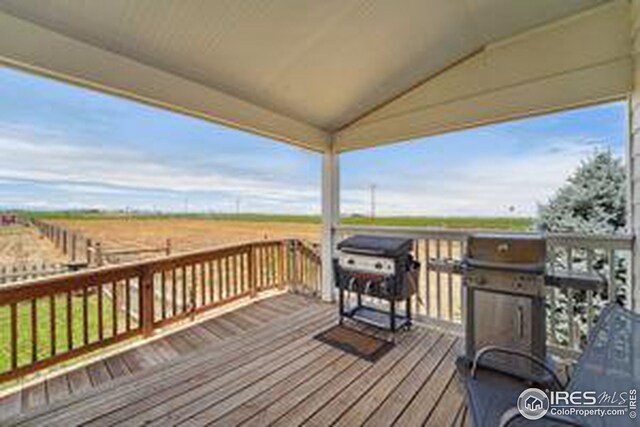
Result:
x=256 y=366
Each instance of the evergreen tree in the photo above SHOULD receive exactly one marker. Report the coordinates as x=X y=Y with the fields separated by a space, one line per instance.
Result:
x=592 y=201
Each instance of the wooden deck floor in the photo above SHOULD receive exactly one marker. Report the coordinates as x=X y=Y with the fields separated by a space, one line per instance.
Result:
x=258 y=365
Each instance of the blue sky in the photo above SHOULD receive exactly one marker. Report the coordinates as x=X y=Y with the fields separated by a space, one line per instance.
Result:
x=67 y=147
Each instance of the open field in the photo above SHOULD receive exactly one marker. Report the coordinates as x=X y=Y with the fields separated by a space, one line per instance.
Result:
x=191 y=232
x=504 y=223
x=186 y=234
x=21 y=245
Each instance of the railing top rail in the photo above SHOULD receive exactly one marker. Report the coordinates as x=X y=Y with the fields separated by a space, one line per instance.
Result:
x=613 y=241
x=401 y=231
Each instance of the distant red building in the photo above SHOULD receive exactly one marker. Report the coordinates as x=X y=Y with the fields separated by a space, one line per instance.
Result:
x=8 y=219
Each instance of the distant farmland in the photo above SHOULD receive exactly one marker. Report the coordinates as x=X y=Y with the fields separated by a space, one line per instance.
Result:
x=192 y=232
x=502 y=223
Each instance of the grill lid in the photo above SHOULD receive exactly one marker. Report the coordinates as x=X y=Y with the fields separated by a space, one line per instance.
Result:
x=376 y=245
x=517 y=249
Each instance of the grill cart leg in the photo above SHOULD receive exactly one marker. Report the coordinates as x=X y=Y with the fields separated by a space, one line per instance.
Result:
x=392 y=315
x=408 y=311
x=340 y=302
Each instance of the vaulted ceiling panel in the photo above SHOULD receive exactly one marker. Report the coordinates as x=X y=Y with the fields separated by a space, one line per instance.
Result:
x=322 y=64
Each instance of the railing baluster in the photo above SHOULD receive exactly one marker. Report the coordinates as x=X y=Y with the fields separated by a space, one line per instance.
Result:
x=146 y=297
x=246 y=274
x=612 y=285
x=193 y=290
x=281 y=263
x=100 y=314
x=450 y=280
x=34 y=330
x=127 y=304
x=553 y=303
x=174 y=292
x=14 y=335
x=570 y=303
x=163 y=294
x=234 y=274
x=114 y=308
x=203 y=301
x=85 y=317
x=269 y=261
x=252 y=271
x=416 y=253
x=210 y=281
x=219 y=279
x=427 y=281
x=69 y=321
x=590 y=307
x=52 y=323
x=303 y=267
x=183 y=275
x=227 y=277
x=438 y=296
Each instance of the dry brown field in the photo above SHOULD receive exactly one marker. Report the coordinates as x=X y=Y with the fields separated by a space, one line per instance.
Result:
x=21 y=245
x=185 y=234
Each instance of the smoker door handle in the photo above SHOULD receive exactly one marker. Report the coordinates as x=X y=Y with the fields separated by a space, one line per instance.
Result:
x=497 y=349
x=520 y=322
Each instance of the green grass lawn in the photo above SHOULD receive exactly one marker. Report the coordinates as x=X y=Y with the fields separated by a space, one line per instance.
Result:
x=503 y=223
x=44 y=327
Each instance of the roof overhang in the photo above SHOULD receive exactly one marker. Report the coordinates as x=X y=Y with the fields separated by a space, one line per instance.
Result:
x=578 y=61
x=351 y=73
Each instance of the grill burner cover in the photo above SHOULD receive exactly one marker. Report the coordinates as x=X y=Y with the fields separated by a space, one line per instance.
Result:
x=390 y=247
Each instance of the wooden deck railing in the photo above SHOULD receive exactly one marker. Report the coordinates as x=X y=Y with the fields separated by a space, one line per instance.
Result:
x=22 y=272
x=47 y=321
x=571 y=312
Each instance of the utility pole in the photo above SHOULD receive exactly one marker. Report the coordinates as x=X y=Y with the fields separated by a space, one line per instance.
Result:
x=237 y=205
x=372 y=189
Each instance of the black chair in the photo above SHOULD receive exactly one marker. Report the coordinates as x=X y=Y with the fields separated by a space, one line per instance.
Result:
x=609 y=363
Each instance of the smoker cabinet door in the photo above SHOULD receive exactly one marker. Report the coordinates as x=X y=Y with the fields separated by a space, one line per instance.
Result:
x=503 y=320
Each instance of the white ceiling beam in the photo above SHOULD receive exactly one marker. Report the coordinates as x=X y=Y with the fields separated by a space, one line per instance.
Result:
x=577 y=61
x=39 y=50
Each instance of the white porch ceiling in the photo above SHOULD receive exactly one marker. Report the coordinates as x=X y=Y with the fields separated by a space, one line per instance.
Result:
x=295 y=70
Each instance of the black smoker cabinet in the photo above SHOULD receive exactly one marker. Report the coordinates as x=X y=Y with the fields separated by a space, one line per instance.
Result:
x=382 y=269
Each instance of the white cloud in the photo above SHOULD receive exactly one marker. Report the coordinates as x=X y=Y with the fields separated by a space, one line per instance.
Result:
x=97 y=170
x=98 y=176
x=489 y=186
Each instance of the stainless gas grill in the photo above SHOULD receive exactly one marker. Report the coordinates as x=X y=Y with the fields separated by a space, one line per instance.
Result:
x=380 y=269
x=505 y=289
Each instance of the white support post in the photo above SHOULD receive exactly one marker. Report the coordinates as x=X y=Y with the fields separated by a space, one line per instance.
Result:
x=330 y=219
x=633 y=156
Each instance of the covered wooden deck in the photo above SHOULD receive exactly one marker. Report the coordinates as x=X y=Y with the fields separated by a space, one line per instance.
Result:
x=258 y=365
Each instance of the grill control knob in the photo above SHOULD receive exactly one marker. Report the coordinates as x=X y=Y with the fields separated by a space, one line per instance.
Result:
x=378 y=265
x=351 y=261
